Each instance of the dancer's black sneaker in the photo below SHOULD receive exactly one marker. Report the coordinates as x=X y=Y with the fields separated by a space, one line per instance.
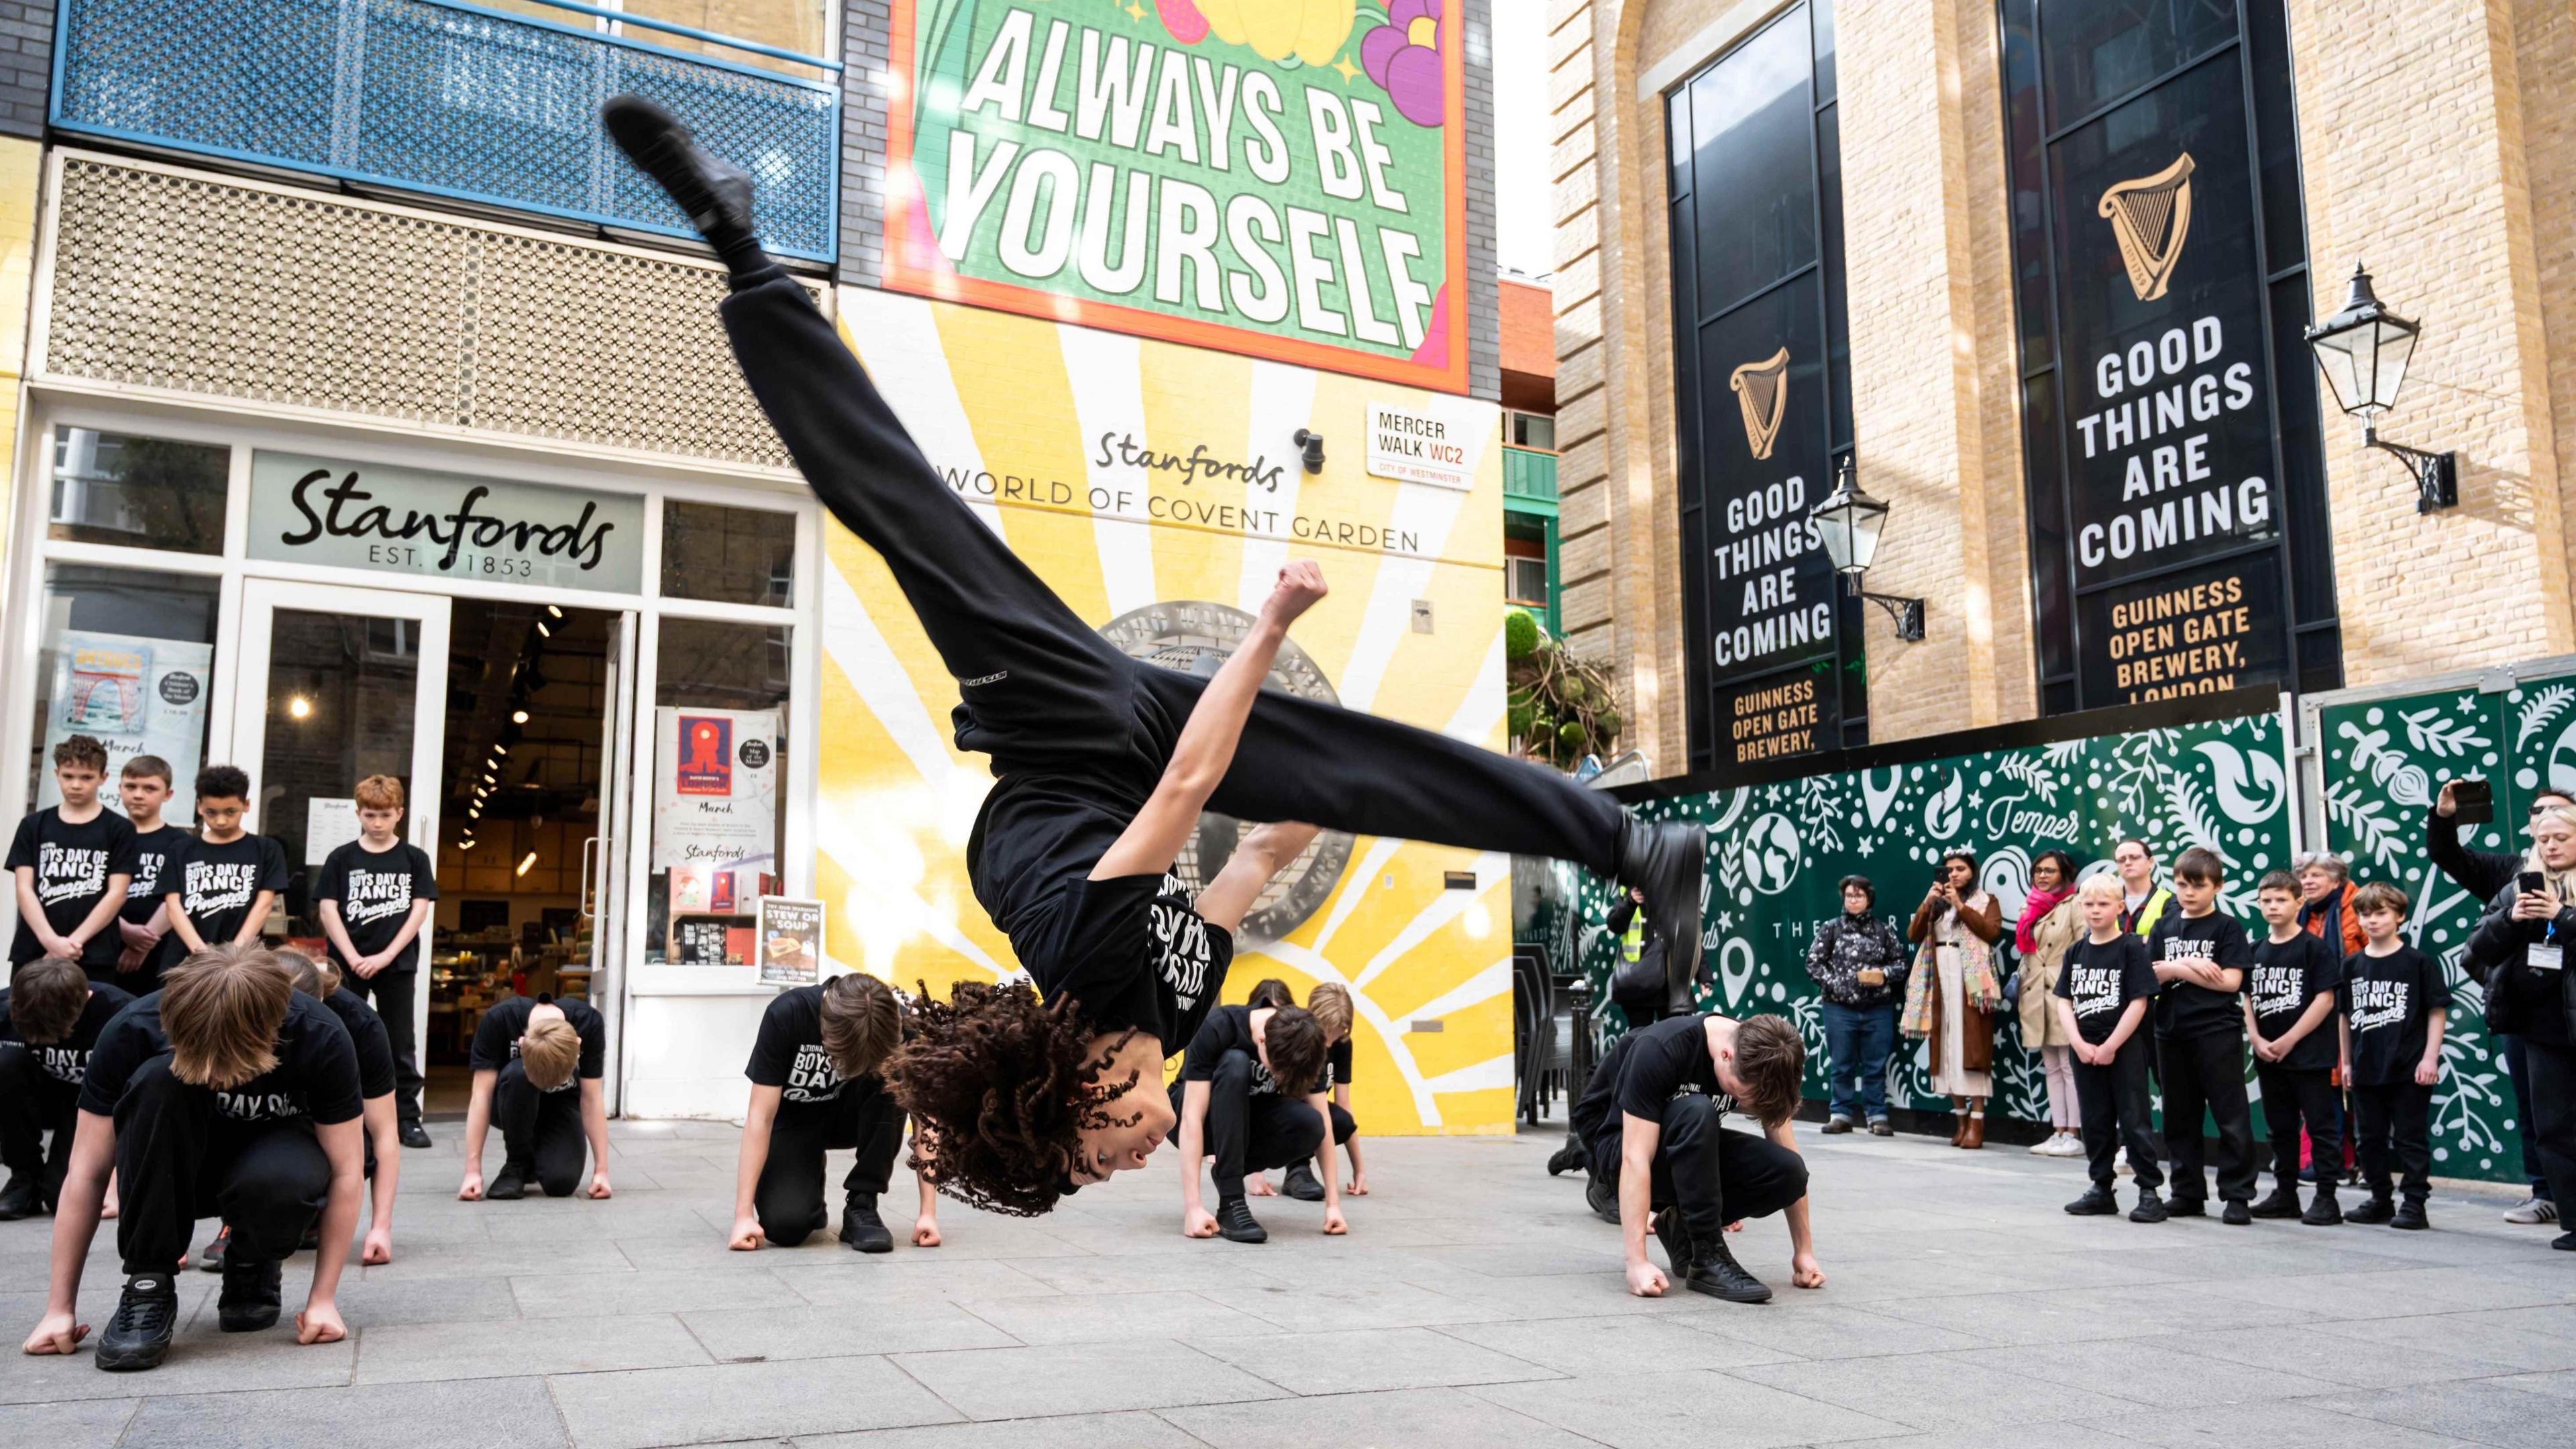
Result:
x=1301 y=1184
x=250 y=1298
x=2236 y=1215
x=1669 y=862
x=2097 y=1202
x=509 y=1184
x=138 y=1337
x=861 y=1228
x=1675 y=1235
x=2149 y=1208
x=714 y=192
x=18 y=1199
x=212 y=1259
x=1602 y=1196
x=2564 y=1242
x=414 y=1135
x=2187 y=1207
x=2323 y=1211
x=2410 y=1216
x=1564 y=1159
x=2283 y=1203
x=1715 y=1272
x=1235 y=1223
x=2373 y=1211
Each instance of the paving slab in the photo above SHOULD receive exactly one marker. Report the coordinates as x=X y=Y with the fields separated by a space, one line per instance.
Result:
x=1401 y=1419
x=741 y=1401
x=515 y=1412
x=1081 y=1378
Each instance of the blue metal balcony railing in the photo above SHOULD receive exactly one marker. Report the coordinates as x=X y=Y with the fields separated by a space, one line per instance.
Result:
x=450 y=99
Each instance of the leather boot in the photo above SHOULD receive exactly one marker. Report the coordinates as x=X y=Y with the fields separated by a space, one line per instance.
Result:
x=1974 y=1136
x=1958 y=1128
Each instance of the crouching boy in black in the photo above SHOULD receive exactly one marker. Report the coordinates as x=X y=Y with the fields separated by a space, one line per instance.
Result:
x=227 y=1092
x=815 y=1089
x=50 y=1018
x=2103 y=995
x=2290 y=1019
x=537 y=1068
x=377 y=1075
x=1649 y=1119
x=1251 y=1095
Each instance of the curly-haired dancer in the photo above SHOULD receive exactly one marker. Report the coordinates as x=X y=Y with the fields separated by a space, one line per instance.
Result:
x=1102 y=765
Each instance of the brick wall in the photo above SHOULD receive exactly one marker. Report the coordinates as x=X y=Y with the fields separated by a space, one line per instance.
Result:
x=26 y=65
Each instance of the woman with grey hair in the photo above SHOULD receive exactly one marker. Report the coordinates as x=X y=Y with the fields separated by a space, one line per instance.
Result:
x=2325 y=910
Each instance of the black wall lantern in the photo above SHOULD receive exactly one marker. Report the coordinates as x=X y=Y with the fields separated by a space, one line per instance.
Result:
x=2363 y=351
x=1848 y=525
x=1311 y=450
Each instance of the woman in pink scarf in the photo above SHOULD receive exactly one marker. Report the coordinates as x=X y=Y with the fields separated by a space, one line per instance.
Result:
x=2041 y=937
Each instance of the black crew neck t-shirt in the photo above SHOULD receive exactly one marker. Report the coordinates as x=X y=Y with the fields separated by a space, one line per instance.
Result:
x=2183 y=1010
x=2101 y=978
x=316 y=1075
x=369 y=1039
x=72 y=864
x=375 y=890
x=2287 y=977
x=1644 y=1072
x=496 y=1041
x=2390 y=1000
x=62 y=1064
x=216 y=883
x=1132 y=955
x=1337 y=1066
x=1229 y=1028
x=154 y=850
x=788 y=1051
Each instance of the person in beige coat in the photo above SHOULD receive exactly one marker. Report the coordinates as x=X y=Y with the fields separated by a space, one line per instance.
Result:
x=2049 y=924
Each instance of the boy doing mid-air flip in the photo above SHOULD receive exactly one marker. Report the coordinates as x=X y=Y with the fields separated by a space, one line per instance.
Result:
x=1101 y=766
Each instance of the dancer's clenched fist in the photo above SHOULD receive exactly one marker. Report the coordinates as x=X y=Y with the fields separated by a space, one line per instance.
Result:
x=1300 y=587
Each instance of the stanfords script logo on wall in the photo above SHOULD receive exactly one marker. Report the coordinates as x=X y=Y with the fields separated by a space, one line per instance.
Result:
x=404 y=520
x=1283 y=178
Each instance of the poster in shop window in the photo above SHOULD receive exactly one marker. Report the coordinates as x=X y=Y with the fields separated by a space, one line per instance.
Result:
x=789 y=940
x=136 y=696
x=1283 y=178
x=715 y=804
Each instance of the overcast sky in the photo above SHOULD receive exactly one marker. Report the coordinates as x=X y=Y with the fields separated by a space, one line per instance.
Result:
x=1521 y=220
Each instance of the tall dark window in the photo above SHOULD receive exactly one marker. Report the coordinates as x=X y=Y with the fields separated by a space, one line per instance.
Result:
x=2177 y=495
x=1763 y=379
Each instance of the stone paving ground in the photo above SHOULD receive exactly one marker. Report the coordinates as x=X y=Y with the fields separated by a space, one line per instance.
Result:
x=1475 y=1303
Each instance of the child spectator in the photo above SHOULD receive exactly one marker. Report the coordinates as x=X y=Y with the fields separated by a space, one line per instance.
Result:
x=2201 y=957
x=2103 y=991
x=2395 y=1006
x=2289 y=1018
x=72 y=863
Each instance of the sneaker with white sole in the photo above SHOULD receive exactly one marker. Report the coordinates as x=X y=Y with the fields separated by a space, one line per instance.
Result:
x=2069 y=1145
x=2532 y=1210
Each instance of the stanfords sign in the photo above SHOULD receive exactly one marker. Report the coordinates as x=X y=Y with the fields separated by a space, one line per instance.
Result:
x=443 y=525
x=1278 y=177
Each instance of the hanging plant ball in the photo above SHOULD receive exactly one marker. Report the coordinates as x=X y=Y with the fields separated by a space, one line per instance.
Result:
x=1521 y=634
x=1569 y=737
x=1605 y=725
x=1520 y=718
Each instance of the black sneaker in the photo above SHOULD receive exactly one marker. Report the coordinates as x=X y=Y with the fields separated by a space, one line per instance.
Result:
x=1564 y=1160
x=1675 y=1235
x=1669 y=862
x=138 y=1337
x=18 y=1199
x=2283 y=1203
x=861 y=1228
x=2374 y=1211
x=250 y=1298
x=2564 y=1242
x=1301 y=1184
x=714 y=192
x=2187 y=1207
x=508 y=1185
x=2323 y=1211
x=1235 y=1223
x=414 y=1135
x=2149 y=1208
x=2235 y=1215
x=2097 y=1202
x=1715 y=1272
x=1602 y=1196
x=2410 y=1216
x=212 y=1259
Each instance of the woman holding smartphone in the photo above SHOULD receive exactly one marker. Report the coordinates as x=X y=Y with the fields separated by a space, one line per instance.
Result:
x=2519 y=954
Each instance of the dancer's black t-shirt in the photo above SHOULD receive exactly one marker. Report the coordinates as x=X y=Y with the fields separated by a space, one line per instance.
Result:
x=2390 y=1000
x=496 y=1041
x=2101 y=978
x=368 y=1038
x=1337 y=1066
x=375 y=890
x=63 y=1064
x=2287 y=977
x=1229 y=1028
x=788 y=1053
x=1131 y=951
x=216 y=883
x=154 y=850
x=316 y=1074
x=71 y=864
x=1644 y=1072
x=2183 y=1010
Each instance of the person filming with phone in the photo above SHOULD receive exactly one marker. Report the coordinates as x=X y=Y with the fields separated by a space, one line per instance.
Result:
x=2518 y=954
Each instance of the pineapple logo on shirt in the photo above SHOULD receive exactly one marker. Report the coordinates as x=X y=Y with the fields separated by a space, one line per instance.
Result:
x=2378 y=1004
x=812 y=1078
x=218 y=885
x=376 y=895
x=2279 y=990
x=2094 y=990
x=64 y=873
x=1183 y=940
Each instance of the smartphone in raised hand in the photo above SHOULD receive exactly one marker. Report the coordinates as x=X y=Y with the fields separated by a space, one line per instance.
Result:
x=2473 y=801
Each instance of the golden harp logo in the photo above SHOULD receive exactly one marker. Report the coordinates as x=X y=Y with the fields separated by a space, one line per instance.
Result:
x=2151 y=215
x=1762 y=391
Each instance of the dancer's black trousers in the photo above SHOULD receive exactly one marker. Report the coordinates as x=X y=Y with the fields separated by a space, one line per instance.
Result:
x=2551 y=1127
x=31 y=1105
x=179 y=1159
x=2393 y=1122
x=1713 y=1174
x=1044 y=692
x=2290 y=1097
x=1249 y=1132
x=2113 y=1105
x=789 y=1195
x=2206 y=1074
x=540 y=1131
x=391 y=994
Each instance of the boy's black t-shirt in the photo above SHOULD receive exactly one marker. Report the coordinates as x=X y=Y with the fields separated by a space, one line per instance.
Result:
x=1644 y=1072
x=788 y=1052
x=2287 y=977
x=2101 y=978
x=368 y=1038
x=1131 y=952
x=375 y=890
x=62 y=1064
x=1229 y=1028
x=154 y=850
x=496 y=1041
x=2183 y=1010
x=316 y=1075
x=71 y=864
x=1337 y=1066
x=215 y=883
x=2390 y=1000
